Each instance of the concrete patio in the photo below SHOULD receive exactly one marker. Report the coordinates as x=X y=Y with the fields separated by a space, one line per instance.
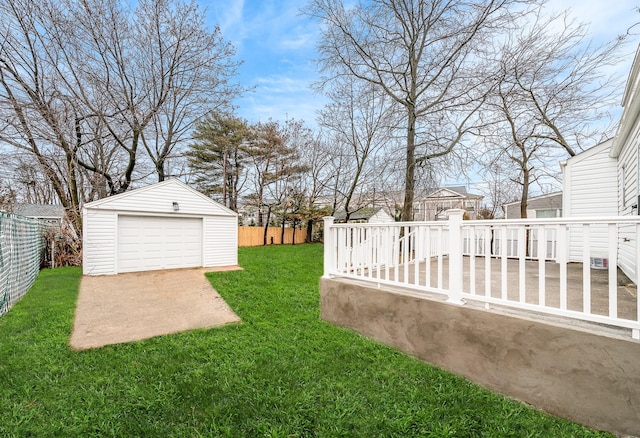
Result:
x=626 y=291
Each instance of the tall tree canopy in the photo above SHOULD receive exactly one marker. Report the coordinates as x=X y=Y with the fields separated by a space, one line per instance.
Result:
x=423 y=55
x=96 y=89
x=552 y=97
x=219 y=157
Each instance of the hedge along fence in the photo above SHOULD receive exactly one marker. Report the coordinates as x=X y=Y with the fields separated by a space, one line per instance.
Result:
x=254 y=236
x=22 y=245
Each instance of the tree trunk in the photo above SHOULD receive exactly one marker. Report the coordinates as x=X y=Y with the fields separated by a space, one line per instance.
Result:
x=309 y=237
x=282 y=230
x=525 y=194
x=410 y=170
x=224 y=178
x=266 y=226
x=293 y=240
x=523 y=205
x=160 y=169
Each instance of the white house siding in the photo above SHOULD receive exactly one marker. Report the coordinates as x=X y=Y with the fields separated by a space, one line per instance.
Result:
x=381 y=217
x=625 y=150
x=589 y=189
x=628 y=198
x=219 y=229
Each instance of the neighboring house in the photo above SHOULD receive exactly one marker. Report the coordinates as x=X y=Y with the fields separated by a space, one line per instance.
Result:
x=52 y=215
x=248 y=215
x=376 y=215
x=549 y=205
x=434 y=205
x=162 y=226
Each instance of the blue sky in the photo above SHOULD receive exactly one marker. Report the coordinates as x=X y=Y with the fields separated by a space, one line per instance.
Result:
x=277 y=45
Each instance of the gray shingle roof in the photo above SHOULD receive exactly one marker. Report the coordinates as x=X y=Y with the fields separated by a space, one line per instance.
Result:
x=363 y=213
x=42 y=211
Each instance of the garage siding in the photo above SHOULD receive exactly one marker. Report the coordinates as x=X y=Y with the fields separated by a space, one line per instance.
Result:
x=222 y=245
x=98 y=252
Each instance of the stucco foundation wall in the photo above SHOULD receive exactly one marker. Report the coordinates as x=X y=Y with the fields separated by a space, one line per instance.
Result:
x=584 y=376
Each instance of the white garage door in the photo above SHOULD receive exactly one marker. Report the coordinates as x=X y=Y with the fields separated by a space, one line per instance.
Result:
x=147 y=243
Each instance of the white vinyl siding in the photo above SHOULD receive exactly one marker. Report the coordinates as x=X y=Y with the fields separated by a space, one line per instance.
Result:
x=98 y=242
x=159 y=198
x=147 y=243
x=380 y=217
x=627 y=202
x=628 y=185
x=590 y=188
x=221 y=248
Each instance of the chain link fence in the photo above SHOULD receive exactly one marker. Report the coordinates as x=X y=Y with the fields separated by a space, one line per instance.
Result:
x=22 y=245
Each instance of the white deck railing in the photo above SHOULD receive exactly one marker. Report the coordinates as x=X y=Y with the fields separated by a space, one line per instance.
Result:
x=523 y=263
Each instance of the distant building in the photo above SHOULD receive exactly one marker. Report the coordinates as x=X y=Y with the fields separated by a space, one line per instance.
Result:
x=543 y=206
x=51 y=214
x=434 y=205
x=376 y=215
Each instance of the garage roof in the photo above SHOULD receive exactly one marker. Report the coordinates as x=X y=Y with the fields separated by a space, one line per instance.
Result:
x=160 y=198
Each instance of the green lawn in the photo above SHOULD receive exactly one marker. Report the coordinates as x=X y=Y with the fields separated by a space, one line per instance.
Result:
x=281 y=373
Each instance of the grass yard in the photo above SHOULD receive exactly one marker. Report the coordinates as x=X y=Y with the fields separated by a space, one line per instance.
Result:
x=281 y=373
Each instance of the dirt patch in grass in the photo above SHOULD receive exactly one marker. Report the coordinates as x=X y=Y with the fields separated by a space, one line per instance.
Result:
x=112 y=309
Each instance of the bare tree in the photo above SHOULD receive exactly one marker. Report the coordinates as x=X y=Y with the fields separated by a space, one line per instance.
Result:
x=85 y=84
x=359 y=120
x=276 y=163
x=498 y=189
x=552 y=95
x=197 y=65
x=37 y=118
x=421 y=54
x=7 y=196
x=315 y=183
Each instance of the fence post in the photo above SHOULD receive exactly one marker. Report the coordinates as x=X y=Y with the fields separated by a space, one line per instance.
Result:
x=329 y=246
x=455 y=256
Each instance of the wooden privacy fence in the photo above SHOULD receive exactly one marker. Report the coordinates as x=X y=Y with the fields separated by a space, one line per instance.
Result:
x=254 y=236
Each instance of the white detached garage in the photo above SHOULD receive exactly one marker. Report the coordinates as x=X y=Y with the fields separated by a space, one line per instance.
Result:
x=162 y=226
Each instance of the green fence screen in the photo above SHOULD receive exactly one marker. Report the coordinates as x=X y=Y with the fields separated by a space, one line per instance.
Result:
x=22 y=245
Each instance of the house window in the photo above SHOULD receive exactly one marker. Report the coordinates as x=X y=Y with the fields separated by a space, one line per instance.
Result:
x=547 y=213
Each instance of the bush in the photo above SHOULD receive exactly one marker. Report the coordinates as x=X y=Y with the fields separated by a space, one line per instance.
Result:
x=65 y=247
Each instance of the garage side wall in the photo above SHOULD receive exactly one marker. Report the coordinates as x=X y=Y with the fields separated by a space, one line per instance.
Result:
x=99 y=245
x=220 y=241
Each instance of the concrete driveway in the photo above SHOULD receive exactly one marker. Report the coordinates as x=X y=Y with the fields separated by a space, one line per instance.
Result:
x=112 y=309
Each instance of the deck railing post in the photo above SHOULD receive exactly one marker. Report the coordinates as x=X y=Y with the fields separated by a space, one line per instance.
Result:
x=329 y=246
x=455 y=256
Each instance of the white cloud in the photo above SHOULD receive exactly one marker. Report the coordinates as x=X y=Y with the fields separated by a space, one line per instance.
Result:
x=229 y=16
x=606 y=19
x=301 y=105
